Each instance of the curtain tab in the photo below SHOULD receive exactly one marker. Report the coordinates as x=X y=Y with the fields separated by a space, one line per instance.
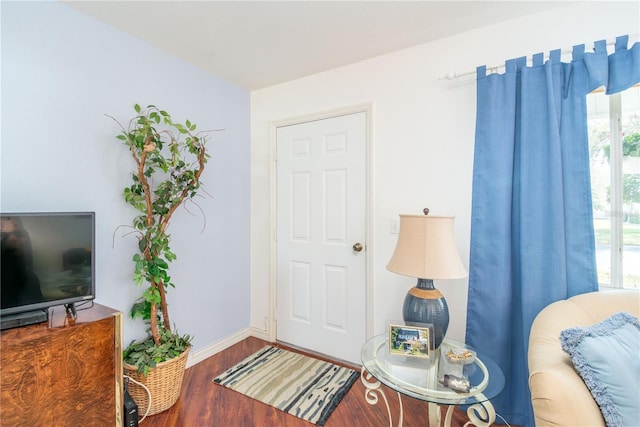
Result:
x=481 y=72
x=621 y=42
x=600 y=47
x=538 y=59
x=578 y=52
x=554 y=55
x=510 y=65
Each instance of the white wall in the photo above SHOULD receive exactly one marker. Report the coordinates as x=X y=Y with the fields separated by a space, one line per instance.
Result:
x=61 y=73
x=422 y=136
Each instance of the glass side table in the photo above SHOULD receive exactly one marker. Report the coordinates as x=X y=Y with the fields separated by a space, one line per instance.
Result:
x=422 y=379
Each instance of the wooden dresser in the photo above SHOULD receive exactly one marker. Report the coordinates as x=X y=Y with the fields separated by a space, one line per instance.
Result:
x=54 y=374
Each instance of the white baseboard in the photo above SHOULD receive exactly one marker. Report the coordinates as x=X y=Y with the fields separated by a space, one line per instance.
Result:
x=218 y=346
x=260 y=333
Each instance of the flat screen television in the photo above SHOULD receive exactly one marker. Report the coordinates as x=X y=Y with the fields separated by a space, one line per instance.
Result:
x=48 y=259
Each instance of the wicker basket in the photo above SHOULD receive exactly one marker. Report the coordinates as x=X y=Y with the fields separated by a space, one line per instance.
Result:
x=164 y=382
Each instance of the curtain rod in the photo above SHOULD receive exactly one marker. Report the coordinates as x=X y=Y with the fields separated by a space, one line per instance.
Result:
x=453 y=75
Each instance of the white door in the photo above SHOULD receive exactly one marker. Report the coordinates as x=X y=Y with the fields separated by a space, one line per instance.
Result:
x=321 y=204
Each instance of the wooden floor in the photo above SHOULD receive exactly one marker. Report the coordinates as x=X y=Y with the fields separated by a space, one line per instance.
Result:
x=204 y=403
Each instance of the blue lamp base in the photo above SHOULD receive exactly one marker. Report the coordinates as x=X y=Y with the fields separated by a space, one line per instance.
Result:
x=425 y=304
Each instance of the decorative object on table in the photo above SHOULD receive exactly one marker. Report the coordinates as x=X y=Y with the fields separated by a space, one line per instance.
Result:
x=169 y=159
x=460 y=356
x=426 y=250
x=459 y=384
x=412 y=341
x=299 y=385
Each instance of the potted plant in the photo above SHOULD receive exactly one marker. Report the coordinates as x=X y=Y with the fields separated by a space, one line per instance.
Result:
x=169 y=160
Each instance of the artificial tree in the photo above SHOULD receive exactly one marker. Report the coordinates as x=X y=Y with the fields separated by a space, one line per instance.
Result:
x=169 y=158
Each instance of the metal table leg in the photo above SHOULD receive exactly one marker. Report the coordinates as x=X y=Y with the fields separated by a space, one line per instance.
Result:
x=374 y=389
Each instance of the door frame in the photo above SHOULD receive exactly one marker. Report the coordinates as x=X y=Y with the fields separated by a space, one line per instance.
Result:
x=328 y=114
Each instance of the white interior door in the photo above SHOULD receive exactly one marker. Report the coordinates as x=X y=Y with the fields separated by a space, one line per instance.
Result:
x=321 y=208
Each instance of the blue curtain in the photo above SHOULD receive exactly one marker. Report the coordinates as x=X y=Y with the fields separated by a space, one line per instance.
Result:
x=532 y=238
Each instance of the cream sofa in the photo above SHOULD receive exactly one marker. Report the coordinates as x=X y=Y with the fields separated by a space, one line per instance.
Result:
x=558 y=394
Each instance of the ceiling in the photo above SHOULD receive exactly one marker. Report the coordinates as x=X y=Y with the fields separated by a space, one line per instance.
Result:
x=256 y=44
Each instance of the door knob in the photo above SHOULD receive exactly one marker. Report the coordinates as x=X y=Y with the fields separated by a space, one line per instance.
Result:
x=357 y=247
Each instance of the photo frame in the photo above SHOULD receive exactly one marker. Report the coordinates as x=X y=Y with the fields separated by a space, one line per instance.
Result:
x=410 y=341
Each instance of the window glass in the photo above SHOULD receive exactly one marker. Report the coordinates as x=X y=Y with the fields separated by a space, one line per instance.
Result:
x=631 y=187
x=614 y=142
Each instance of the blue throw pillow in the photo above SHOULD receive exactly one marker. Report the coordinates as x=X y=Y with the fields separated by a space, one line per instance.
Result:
x=607 y=357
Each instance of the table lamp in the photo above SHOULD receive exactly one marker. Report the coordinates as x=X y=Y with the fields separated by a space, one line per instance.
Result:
x=426 y=249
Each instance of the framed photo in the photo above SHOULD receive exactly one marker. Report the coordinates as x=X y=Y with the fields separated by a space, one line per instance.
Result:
x=413 y=341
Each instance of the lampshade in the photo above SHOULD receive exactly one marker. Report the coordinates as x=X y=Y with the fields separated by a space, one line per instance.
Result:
x=426 y=248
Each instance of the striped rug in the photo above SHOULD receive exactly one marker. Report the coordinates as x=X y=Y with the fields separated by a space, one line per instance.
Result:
x=302 y=386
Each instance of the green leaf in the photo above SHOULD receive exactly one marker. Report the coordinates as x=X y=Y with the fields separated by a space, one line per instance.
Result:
x=137 y=279
x=137 y=108
x=142 y=244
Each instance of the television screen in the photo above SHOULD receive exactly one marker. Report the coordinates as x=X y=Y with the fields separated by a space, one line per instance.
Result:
x=47 y=260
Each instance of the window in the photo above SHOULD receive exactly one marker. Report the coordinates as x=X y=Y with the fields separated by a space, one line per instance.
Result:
x=614 y=143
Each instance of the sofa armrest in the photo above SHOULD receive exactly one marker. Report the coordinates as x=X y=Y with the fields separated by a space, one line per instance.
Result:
x=558 y=394
x=560 y=397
